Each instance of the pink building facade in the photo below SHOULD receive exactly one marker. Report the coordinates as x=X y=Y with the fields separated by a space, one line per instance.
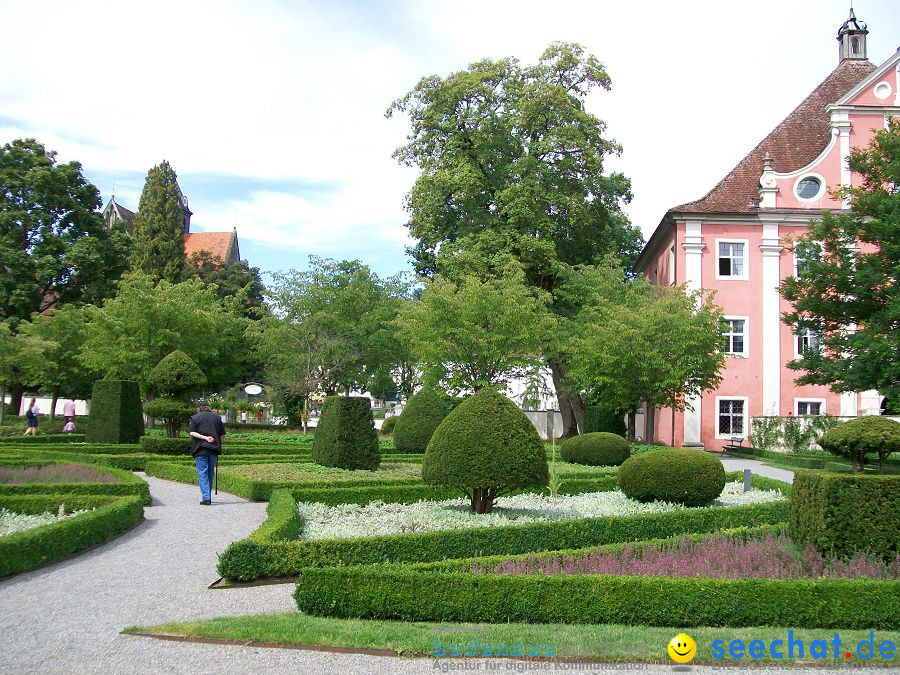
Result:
x=738 y=241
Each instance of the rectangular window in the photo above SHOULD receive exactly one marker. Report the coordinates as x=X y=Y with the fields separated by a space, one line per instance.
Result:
x=809 y=408
x=672 y=265
x=808 y=340
x=736 y=336
x=731 y=417
x=732 y=261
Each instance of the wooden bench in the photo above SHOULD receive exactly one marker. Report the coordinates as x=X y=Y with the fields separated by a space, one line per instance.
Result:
x=734 y=443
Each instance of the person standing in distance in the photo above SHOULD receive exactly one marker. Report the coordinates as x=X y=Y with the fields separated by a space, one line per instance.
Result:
x=207 y=431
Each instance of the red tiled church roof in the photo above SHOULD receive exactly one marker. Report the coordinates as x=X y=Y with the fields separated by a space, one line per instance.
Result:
x=218 y=244
x=793 y=144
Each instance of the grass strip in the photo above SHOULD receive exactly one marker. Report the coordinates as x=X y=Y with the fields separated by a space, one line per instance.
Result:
x=418 y=638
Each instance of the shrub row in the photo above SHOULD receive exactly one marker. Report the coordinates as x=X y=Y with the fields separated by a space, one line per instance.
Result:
x=166 y=446
x=398 y=593
x=846 y=514
x=27 y=550
x=288 y=558
x=807 y=461
x=43 y=438
x=128 y=484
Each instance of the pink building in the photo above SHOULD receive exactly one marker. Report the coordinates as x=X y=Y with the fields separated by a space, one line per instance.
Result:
x=737 y=240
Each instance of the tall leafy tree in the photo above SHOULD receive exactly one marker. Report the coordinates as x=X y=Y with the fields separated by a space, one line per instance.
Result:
x=21 y=363
x=235 y=279
x=849 y=294
x=54 y=247
x=636 y=342
x=158 y=229
x=512 y=164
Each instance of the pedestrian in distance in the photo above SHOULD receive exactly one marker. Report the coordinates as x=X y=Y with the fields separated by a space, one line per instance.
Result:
x=207 y=431
x=69 y=410
x=31 y=418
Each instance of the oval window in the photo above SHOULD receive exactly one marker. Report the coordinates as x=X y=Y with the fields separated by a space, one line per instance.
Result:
x=809 y=188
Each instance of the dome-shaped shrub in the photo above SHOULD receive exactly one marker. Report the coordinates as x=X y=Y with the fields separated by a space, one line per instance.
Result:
x=596 y=449
x=387 y=427
x=420 y=417
x=176 y=374
x=487 y=446
x=689 y=477
x=345 y=435
x=864 y=435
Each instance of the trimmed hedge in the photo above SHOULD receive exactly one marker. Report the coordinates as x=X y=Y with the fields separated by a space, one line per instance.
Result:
x=596 y=449
x=283 y=558
x=420 y=417
x=387 y=427
x=689 y=477
x=166 y=446
x=398 y=593
x=43 y=438
x=345 y=436
x=115 y=412
x=27 y=550
x=846 y=514
x=128 y=485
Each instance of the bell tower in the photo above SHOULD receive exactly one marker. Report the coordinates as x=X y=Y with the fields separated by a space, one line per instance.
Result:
x=852 y=39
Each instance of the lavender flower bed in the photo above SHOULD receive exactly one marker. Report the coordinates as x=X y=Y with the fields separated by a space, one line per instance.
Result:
x=717 y=557
x=11 y=522
x=53 y=473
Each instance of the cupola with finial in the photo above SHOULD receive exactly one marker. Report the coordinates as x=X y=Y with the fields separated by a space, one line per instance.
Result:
x=852 y=39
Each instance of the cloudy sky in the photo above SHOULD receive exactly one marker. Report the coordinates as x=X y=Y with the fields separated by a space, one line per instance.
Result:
x=272 y=112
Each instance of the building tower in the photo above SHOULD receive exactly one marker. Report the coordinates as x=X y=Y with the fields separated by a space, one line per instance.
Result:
x=852 y=39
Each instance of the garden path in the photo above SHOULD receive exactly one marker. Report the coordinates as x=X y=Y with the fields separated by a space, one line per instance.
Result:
x=760 y=469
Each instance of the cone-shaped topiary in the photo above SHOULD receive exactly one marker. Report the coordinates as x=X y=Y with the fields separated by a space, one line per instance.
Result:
x=420 y=417
x=387 y=427
x=486 y=446
x=689 y=477
x=596 y=449
x=866 y=435
x=345 y=435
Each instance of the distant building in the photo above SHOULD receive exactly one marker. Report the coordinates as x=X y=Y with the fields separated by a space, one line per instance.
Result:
x=736 y=240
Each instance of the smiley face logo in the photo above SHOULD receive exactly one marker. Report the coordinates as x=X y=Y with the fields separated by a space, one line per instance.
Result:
x=682 y=648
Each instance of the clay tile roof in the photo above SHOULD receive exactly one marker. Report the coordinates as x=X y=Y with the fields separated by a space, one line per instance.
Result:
x=217 y=243
x=793 y=144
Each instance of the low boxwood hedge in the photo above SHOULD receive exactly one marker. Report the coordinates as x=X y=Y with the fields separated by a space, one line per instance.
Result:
x=42 y=439
x=846 y=514
x=27 y=550
x=128 y=484
x=396 y=592
x=157 y=445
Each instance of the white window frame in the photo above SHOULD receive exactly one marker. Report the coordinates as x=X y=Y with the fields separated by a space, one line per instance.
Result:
x=672 y=265
x=798 y=401
x=797 y=258
x=746 y=353
x=823 y=187
x=744 y=431
x=797 y=353
x=746 y=257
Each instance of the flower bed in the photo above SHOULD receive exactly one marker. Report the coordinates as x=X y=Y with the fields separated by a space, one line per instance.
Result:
x=72 y=478
x=12 y=522
x=54 y=473
x=350 y=520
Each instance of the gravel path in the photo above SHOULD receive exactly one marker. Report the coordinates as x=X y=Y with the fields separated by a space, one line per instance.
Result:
x=760 y=469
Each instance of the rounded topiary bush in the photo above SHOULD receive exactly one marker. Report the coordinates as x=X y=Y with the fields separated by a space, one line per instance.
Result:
x=596 y=449
x=487 y=447
x=345 y=435
x=863 y=436
x=689 y=477
x=420 y=417
x=387 y=427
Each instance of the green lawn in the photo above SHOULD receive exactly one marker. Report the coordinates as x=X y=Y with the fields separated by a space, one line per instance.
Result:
x=417 y=638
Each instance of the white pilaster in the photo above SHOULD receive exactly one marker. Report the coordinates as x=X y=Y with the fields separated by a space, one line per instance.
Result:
x=771 y=319
x=768 y=186
x=848 y=404
x=693 y=250
x=870 y=403
x=840 y=124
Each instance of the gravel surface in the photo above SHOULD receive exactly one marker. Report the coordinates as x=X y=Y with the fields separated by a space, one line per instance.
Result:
x=738 y=464
x=66 y=617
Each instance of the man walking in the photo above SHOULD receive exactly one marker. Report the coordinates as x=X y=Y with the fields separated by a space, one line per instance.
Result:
x=207 y=430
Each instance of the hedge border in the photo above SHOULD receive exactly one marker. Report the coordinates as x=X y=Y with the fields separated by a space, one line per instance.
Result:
x=128 y=484
x=43 y=439
x=30 y=549
x=250 y=559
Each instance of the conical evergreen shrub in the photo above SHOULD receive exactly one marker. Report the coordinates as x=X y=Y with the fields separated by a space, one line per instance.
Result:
x=488 y=447
x=345 y=435
x=420 y=417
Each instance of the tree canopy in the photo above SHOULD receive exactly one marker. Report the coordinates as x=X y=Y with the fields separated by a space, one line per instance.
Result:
x=158 y=229
x=848 y=295
x=54 y=246
x=235 y=279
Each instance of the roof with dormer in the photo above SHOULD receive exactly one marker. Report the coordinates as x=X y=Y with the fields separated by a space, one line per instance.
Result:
x=793 y=144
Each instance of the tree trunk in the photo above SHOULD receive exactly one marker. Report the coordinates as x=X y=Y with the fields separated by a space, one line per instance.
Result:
x=482 y=500
x=651 y=423
x=15 y=398
x=881 y=458
x=570 y=405
x=2 y=402
x=53 y=402
x=632 y=423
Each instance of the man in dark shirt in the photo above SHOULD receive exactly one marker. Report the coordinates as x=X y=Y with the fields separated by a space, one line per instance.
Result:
x=207 y=431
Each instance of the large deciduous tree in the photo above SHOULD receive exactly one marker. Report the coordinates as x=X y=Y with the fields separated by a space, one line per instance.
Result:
x=849 y=295
x=158 y=229
x=512 y=163
x=234 y=279
x=54 y=247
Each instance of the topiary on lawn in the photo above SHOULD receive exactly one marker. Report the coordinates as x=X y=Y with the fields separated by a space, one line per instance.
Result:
x=487 y=447
x=420 y=417
x=115 y=412
x=345 y=435
x=175 y=376
x=596 y=449
x=689 y=477
x=387 y=427
x=863 y=436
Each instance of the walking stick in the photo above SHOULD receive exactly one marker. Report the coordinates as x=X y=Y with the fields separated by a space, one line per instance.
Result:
x=216 y=474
